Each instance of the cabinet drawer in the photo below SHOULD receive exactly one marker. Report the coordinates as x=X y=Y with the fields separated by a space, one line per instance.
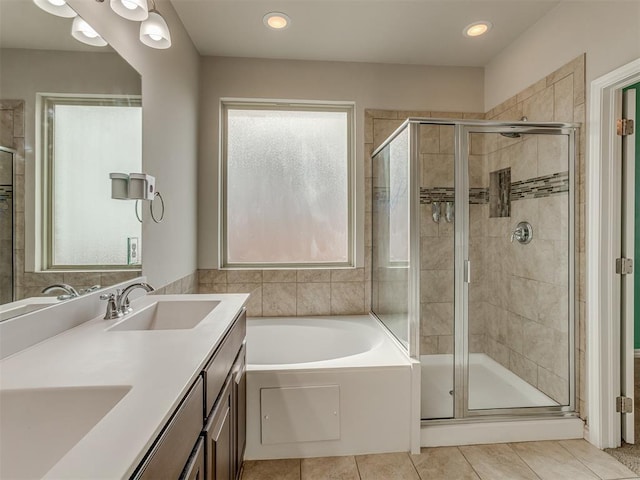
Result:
x=219 y=437
x=170 y=454
x=195 y=468
x=216 y=371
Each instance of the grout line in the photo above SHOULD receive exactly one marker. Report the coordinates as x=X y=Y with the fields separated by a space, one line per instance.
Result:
x=469 y=463
x=523 y=460
x=414 y=466
x=574 y=456
x=355 y=459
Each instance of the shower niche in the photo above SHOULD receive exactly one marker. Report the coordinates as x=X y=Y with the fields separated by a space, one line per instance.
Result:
x=491 y=320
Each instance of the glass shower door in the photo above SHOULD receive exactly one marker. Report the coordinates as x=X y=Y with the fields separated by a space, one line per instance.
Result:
x=437 y=242
x=390 y=236
x=520 y=337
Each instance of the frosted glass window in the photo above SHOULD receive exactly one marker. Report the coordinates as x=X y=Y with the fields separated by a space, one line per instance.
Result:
x=88 y=227
x=287 y=186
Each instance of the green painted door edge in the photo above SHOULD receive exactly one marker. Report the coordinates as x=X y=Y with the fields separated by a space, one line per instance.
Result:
x=636 y=248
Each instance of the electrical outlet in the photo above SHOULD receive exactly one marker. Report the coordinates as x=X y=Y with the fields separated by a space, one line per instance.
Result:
x=133 y=251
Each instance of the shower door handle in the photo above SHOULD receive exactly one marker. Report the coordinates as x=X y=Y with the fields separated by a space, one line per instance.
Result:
x=467 y=271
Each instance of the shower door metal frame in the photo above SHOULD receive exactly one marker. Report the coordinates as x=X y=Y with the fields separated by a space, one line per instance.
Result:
x=462 y=129
x=461 y=294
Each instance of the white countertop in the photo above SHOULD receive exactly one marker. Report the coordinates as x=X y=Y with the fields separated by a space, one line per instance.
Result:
x=160 y=366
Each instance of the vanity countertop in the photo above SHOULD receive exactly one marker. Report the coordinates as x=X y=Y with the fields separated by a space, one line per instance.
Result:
x=158 y=366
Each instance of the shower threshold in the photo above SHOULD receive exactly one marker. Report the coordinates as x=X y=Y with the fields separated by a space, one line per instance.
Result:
x=491 y=386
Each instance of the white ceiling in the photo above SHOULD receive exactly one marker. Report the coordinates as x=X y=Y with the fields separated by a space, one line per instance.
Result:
x=422 y=32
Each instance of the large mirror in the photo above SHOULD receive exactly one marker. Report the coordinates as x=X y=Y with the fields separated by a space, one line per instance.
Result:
x=70 y=114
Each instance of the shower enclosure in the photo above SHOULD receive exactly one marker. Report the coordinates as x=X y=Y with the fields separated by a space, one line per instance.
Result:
x=6 y=225
x=473 y=263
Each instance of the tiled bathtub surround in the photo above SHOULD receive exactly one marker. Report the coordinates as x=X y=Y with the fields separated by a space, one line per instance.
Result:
x=185 y=285
x=292 y=292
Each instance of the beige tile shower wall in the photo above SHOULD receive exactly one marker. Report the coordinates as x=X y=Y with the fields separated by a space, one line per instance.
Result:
x=525 y=287
x=558 y=97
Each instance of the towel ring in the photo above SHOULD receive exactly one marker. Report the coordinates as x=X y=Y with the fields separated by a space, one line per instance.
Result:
x=153 y=216
x=138 y=215
x=157 y=220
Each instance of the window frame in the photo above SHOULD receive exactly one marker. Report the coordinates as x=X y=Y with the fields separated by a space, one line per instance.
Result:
x=48 y=102
x=349 y=109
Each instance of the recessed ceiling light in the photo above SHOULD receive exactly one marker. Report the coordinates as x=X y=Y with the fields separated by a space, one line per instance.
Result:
x=276 y=20
x=477 y=28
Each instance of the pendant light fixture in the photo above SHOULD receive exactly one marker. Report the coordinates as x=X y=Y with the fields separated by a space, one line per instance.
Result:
x=83 y=32
x=56 y=7
x=136 y=10
x=154 y=31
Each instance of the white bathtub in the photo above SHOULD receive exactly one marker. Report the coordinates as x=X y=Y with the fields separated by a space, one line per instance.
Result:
x=321 y=386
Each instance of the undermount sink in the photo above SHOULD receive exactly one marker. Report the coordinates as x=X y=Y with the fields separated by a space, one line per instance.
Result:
x=168 y=315
x=39 y=426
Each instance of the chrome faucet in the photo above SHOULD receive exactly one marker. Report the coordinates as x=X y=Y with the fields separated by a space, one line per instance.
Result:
x=122 y=300
x=112 y=310
x=69 y=291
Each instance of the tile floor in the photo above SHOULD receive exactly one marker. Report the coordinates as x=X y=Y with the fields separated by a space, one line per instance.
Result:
x=550 y=460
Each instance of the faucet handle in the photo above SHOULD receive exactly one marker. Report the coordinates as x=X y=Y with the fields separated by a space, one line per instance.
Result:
x=90 y=289
x=112 y=309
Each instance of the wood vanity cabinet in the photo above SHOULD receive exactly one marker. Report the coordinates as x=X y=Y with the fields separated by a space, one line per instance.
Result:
x=205 y=438
x=219 y=438
x=195 y=469
x=226 y=420
x=174 y=446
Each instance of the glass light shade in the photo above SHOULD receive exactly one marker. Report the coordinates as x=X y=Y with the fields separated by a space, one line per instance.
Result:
x=56 y=7
x=154 y=31
x=136 y=10
x=83 y=32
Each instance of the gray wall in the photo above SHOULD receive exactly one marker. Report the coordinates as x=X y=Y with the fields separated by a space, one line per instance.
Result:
x=371 y=86
x=170 y=127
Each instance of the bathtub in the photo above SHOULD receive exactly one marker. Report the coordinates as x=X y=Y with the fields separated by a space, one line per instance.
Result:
x=325 y=386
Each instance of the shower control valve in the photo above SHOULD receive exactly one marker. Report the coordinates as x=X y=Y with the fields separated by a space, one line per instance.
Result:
x=523 y=233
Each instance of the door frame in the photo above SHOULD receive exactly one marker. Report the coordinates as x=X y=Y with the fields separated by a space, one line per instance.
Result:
x=603 y=208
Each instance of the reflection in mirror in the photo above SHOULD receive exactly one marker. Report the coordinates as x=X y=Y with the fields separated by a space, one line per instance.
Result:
x=40 y=59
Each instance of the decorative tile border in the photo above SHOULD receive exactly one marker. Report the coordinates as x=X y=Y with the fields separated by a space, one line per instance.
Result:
x=540 y=187
x=477 y=196
x=6 y=192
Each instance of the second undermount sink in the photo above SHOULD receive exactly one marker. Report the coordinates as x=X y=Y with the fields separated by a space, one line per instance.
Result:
x=40 y=426
x=168 y=315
